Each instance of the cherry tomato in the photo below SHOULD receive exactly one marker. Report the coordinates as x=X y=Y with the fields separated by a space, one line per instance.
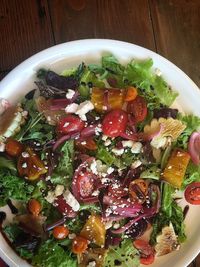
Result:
x=85 y=184
x=89 y=144
x=138 y=108
x=192 y=193
x=114 y=123
x=79 y=245
x=34 y=207
x=60 y=232
x=144 y=248
x=138 y=190
x=117 y=191
x=13 y=148
x=147 y=260
x=63 y=207
x=131 y=94
x=70 y=124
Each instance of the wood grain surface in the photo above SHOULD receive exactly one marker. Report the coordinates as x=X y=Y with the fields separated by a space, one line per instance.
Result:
x=170 y=27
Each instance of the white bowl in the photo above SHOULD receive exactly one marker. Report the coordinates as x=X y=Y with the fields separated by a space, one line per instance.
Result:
x=20 y=80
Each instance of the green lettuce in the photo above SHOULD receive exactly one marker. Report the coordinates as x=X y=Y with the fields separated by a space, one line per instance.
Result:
x=192 y=123
x=7 y=164
x=124 y=255
x=192 y=175
x=64 y=171
x=9 y=188
x=51 y=254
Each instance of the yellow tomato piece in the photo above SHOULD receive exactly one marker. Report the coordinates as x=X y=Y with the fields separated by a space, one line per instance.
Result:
x=94 y=230
x=176 y=167
x=114 y=98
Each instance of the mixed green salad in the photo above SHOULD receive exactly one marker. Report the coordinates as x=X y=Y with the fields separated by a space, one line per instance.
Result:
x=93 y=165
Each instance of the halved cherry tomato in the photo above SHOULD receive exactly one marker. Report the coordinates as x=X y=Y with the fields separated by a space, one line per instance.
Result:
x=114 y=123
x=70 y=124
x=138 y=190
x=60 y=232
x=13 y=148
x=117 y=191
x=138 y=108
x=85 y=184
x=89 y=144
x=147 y=260
x=192 y=193
x=63 y=207
x=144 y=248
x=79 y=245
x=131 y=94
x=34 y=207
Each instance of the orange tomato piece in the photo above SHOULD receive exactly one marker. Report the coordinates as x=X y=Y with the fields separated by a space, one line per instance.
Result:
x=79 y=245
x=131 y=94
x=94 y=230
x=60 y=232
x=175 y=169
x=30 y=165
x=138 y=189
x=13 y=148
x=34 y=207
x=114 y=96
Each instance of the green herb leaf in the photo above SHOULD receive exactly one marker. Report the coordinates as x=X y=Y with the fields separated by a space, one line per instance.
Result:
x=192 y=175
x=124 y=255
x=7 y=164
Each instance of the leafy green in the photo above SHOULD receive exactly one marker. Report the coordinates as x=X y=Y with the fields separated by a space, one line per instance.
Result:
x=12 y=231
x=170 y=212
x=192 y=123
x=7 y=164
x=9 y=188
x=90 y=207
x=64 y=171
x=51 y=254
x=124 y=255
x=75 y=225
x=192 y=175
x=151 y=173
x=87 y=80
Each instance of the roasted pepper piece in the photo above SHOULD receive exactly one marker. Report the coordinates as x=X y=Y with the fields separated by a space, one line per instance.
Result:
x=29 y=165
x=108 y=98
x=176 y=167
x=94 y=230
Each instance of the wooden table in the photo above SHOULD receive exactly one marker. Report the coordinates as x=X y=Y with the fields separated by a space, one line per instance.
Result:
x=169 y=27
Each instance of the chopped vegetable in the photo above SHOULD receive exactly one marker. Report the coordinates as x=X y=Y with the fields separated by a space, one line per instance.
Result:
x=79 y=245
x=60 y=232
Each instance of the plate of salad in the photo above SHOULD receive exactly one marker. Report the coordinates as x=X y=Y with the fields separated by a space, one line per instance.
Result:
x=99 y=159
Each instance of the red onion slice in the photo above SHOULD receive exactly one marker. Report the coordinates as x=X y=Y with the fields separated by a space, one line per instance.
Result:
x=194 y=147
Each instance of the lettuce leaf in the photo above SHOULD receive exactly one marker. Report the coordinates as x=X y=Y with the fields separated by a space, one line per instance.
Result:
x=9 y=188
x=124 y=255
x=192 y=124
x=192 y=175
x=64 y=171
x=51 y=254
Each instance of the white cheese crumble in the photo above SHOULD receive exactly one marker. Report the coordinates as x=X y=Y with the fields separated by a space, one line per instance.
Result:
x=2 y=147
x=71 y=236
x=110 y=170
x=104 y=137
x=128 y=143
x=84 y=108
x=71 y=108
x=59 y=190
x=136 y=164
x=118 y=151
x=136 y=148
x=71 y=200
x=107 y=142
x=108 y=225
x=92 y=264
x=70 y=93
x=50 y=197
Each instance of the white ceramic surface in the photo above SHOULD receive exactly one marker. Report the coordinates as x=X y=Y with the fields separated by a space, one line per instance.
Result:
x=63 y=56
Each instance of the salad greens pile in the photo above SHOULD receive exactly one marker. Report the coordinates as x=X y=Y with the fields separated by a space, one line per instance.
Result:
x=94 y=159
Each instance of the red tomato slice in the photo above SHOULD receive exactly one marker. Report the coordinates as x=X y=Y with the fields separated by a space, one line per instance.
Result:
x=192 y=193
x=148 y=260
x=85 y=184
x=114 y=123
x=144 y=248
x=70 y=124
x=64 y=208
x=138 y=108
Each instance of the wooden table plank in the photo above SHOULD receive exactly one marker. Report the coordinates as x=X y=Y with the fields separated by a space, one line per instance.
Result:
x=115 y=19
x=25 y=29
x=177 y=33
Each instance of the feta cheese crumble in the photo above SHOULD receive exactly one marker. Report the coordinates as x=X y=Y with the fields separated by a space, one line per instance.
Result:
x=71 y=200
x=71 y=108
x=84 y=108
x=70 y=93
